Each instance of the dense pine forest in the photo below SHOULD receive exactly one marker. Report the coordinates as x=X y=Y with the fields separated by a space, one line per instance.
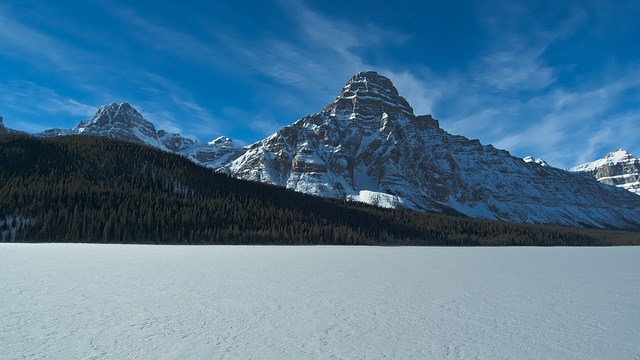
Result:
x=91 y=189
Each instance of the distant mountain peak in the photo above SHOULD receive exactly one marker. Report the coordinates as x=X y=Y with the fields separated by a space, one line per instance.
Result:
x=119 y=121
x=221 y=140
x=619 y=168
x=618 y=156
x=369 y=93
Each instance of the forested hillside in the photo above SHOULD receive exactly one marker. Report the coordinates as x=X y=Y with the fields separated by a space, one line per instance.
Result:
x=91 y=189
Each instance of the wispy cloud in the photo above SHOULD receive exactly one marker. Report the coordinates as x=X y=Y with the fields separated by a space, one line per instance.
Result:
x=157 y=34
x=29 y=97
x=265 y=124
x=28 y=106
x=319 y=51
x=20 y=41
x=172 y=108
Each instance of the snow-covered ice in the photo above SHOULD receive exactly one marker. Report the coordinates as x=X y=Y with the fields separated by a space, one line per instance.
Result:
x=66 y=301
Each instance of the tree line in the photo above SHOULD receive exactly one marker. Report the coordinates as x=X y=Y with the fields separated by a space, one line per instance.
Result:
x=93 y=189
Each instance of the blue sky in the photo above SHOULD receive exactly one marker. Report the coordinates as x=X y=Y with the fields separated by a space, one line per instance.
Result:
x=553 y=79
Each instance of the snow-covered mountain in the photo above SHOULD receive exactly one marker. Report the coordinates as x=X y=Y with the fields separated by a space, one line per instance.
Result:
x=122 y=121
x=369 y=146
x=617 y=168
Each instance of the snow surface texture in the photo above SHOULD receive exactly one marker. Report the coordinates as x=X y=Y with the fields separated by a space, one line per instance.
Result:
x=63 y=301
x=618 y=168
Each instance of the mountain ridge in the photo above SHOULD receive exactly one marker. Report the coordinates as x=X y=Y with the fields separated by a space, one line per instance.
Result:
x=102 y=190
x=368 y=145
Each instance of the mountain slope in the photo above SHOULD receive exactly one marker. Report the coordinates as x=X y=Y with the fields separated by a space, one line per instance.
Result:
x=368 y=145
x=617 y=168
x=93 y=189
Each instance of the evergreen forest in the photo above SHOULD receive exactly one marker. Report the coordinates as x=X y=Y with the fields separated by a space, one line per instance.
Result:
x=99 y=190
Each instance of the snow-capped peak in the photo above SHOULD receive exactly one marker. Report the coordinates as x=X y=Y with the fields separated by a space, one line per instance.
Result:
x=120 y=121
x=618 y=168
x=222 y=140
x=619 y=156
x=539 y=161
x=366 y=92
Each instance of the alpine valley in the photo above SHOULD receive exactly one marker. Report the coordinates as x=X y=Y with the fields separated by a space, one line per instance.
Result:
x=369 y=146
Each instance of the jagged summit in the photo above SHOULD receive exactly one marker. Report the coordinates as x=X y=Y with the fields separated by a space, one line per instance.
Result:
x=119 y=121
x=366 y=94
x=619 y=168
x=612 y=158
x=115 y=114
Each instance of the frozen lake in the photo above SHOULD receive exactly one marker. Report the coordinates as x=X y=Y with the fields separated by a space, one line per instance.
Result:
x=64 y=301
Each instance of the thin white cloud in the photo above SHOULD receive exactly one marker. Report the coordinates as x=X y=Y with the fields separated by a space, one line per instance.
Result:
x=28 y=107
x=568 y=126
x=157 y=34
x=265 y=124
x=515 y=60
x=423 y=90
x=32 y=98
x=23 y=42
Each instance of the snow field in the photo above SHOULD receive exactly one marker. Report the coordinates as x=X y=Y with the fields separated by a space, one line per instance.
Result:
x=76 y=301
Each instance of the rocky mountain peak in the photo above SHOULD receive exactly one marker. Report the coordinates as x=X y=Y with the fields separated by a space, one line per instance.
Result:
x=619 y=155
x=619 y=168
x=119 y=121
x=117 y=113
x=369 y=94
x=222 y=140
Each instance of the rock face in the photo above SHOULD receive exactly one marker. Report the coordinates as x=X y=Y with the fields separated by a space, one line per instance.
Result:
x=617 y=168
x=119 y=121
x=369 y=146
